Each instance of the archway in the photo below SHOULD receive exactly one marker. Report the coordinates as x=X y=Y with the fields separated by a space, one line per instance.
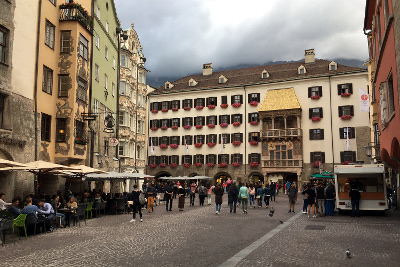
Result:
x=255 y=177
x=193 y=174
x=222 y=177
x=162 y=174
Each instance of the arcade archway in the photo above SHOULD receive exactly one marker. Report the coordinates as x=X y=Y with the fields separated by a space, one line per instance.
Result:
x=222 y=177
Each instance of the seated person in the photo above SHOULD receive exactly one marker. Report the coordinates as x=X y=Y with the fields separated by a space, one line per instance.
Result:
x=56 y=205
x=48 y=212
x=3 y=204
x=29 y=208
x=14 y=209
x=71 y=204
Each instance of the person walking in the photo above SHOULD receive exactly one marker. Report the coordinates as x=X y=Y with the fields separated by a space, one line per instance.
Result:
x=320 y=191
x=259 y=196
x=151 y=192
x=267 y=195
x=181 y=197
x=252 y=194
x=277 y=189
x=355 y=201
x=209 y=192
x=233 y=195
x=219 y=192
x=202 y=194
x=169 y=193
x=287 y=186
x=192 y=193
x=273 y=190
x=329 y=200
x=244 y=196
x=136 y=206
x=292 y=192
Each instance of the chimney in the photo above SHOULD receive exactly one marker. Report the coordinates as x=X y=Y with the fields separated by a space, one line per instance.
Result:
x=207 y=69
x=309 y=56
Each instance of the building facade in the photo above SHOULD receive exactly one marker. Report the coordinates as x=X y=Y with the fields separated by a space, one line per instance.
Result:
x=277 y=122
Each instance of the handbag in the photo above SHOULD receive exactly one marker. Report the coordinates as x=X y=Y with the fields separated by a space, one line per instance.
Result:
x=257 y=196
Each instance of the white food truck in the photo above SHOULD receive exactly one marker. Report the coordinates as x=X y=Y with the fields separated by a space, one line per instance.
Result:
x=369 y=180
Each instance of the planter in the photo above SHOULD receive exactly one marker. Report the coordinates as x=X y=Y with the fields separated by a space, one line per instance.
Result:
x=345 y=94
x=236 y=124
x=154 y=128
x=198 y=164
x=173 y=146
x=224 y=105
x=315 y=164
x=154 y=111
x=80 y=141
x=253 y=142
x=164 y=110
x=163 y=146
x=236 y=143
x=210 y=164
x=253 y=103
x=346 y=117
x=163 y=165
x=211 y=106
x=236 y=164
x=173 y=165
x=315 y=97
x=236 y=105
x=254 y=164
x=224 y=125
x=211 y=144
x=199 y=107
x=187 y=108
x=222 y=165
x=174 y=109
x=164 y=128
x=187 y=127
x=211 y=125
x=315 y=119
x=186 y=165
x=199 y=126
x=198 y=144
x=254 y=123
x=152 y=165
x=347 y=163
x=174 y=127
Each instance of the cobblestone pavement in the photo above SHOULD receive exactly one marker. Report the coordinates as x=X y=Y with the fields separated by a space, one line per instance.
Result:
x=198 y=237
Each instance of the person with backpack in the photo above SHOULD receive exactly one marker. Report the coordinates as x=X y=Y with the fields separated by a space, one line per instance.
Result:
x=292 y=193
x=136 y=195
x=202 y=194
x=233 y=195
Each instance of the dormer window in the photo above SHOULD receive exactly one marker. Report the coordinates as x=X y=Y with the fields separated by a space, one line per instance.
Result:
x=265 y=74
x=222 y=79
x=168 y=85
x=192 y=82
x=301 y=70
x=333 y=66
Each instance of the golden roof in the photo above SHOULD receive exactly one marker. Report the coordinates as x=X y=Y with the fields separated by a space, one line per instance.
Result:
x=280 y=99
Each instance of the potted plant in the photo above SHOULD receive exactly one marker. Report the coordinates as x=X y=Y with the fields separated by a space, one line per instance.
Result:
x=211 y=125
x=198 y=164
x=253 y=142
x=253 y=103
x=315 y=119
x=173 y=146
x=315 y=97
x=199 y=126
x=198 y=144
x=254 y=164
x=210 y=164
x=187 y=127
x=152 y=165
x=163 y=165
x=163 y=146
x=199 y=107
x=174 y=109
x=223 y=105
x=254 y=123
x=187 y=108
x=346 y=117
x=315 y=164
x=236 y=164
x=224 y=125
x=236 y=143
x=211 y=144
x=164 y=127
x=80 y=141
x=236 y=105
x=173 y=165
x=345 y=94
x=174 y=127
x=154 y=128
x=164 y=110
x=222 y=165
x=154 y=111
x=211 y=106
x=236 y=124
x=186 y=165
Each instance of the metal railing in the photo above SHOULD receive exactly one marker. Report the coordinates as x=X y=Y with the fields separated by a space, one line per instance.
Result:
x=283 y=163
x=74 y=14
x=293 y=132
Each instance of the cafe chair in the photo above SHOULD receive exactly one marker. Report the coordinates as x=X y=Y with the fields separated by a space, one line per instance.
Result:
x=80 y=212
x=32 y=219
x=89 y=208
x=121 y=206
x=6 y=225
x=19 y=222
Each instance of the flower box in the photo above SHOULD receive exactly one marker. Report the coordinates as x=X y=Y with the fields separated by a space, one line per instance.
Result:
x=163 y=146
x=198 y=164
x=222 y=165
x=174 y=109
x=199 y=107
x=253 y=142
x=186 y=165
x=187 y=126
x=224 y=125
x=154 y=128
x=80 y=141
x=163 y=165
x=223 y=105
x=154 y=111
x=315 y=119
x=152 y=165
x=211 y=125
x=253 y=103
x=164 y=127
x=236 y=143
x=173 y=165
x=346 y=117
x=315 y=97
x=211 y=106
x=347 y=163
x=211 y=144
x=236 y=105
x=173 y=146
x=236 y=124
x=164 y=110
x=254 y=164
x=315 y=164
x=174 y=127
x=199 y=126
x=198 y=144
x=345 y=94
x=236 y=164
x=254 y=123
x=187 y=108
x=210 y=164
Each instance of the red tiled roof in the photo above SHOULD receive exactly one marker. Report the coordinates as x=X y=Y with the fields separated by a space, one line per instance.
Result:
x=253 y=75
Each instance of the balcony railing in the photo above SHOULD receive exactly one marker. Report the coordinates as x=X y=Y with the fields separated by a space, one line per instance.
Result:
x=283 y=163
x=293 y=132
x=76 y=13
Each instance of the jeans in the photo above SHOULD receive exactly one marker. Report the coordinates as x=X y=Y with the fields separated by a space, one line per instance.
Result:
x=355 y=207
x=305 y=204
x=62 y=217
x=218 y=207
x=202 y=197
x=266 y=200
x=192 y=196
x=273 y=196
x=209 y=199
x=244 y=203
x=232 y=205
x=137 y=206
x=329 y=207
x=252 y=202
x=168 y=199
x=259 y=200
x=229 y=200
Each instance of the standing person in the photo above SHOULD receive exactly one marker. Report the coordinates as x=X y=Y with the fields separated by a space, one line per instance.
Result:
x=136 y=203
x=287 y=186
x=3 y=204
x=320 y=190
x=292 y=192
x=329 y=200
x=202 y=194
x=233 y=195
x=273 y=190
x=224 y=186
x=218 y=192
x=181 y=197
x=187 y=190
x=267 y=195
x=244 y=196
x=192 y=193
x=305 y=199
x=151 y=192
x=252 y=194
x=169 y=192
x=355 y=201
x=277 y=189
x=175 y=190
x=259 y=196
x=209 y=192
x=311 y=200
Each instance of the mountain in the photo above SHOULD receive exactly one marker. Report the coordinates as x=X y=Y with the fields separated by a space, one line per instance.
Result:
x=156 y=81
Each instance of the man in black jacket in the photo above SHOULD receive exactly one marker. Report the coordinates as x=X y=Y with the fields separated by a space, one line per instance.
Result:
x=355 y=201
x=169 y=196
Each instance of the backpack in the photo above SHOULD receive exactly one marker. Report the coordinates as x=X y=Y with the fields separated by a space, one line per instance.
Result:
x=142 y=200
x=202 y=191
x=233 y=190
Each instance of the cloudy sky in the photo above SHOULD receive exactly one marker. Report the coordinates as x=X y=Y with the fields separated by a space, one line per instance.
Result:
x=178 y=36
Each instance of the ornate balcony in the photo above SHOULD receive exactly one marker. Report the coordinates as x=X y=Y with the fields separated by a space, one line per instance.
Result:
x=283 y=163
x=75 y=12
x=278 y=133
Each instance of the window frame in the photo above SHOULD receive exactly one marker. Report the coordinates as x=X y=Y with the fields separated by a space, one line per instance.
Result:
x=45 y=133
x=47 y=80
x=4 y=45
x=61 y=125
x=83 y=48
x=65 y=49
x=63 y=92
x=49 y=37
x=82 y=89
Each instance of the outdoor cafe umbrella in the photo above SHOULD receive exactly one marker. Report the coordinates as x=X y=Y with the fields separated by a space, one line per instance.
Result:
x=10 y=164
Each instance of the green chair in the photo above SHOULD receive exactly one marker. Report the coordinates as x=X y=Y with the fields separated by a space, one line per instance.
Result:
x=89 y=209
x=20 y=222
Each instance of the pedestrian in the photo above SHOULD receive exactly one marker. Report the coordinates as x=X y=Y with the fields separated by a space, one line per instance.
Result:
x=320 y=191
x=277 y=189
x=192 y=193
x=219 y=192
x=244 y=196
x=292 y=192
x=252 y=194
x=329 y=200
x=287 y=186
x=202 y=194
x=175 y=190
x=151 y=192
x=259 y=196
x=267 y=195
x=233 y=195
x=187 y=190
x=168 y=196
x=181 y=197
x=305 y=199
x=209 y=192
x=311 y=200
x=355 y=201
x=273 y=190
x=136 y=206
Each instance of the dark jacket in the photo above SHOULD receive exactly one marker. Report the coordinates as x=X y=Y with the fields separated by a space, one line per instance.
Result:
x=219 y=192
x=267 y=191
x=354 y=194
x=135 y=196
x=233 y=192
x=292 y=192
x=320 y=192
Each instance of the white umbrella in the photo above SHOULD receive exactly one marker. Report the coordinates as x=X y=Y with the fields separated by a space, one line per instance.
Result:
x=8 y=164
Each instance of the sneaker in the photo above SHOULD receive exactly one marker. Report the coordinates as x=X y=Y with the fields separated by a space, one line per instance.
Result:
x=133 y=220
x=289 y=211
x=216 y=212
x=141 y=220
x=314 y=216
x=293 y=211
x=219 y=213
x=254 y=206
x=308 y=215
x=304 y=212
